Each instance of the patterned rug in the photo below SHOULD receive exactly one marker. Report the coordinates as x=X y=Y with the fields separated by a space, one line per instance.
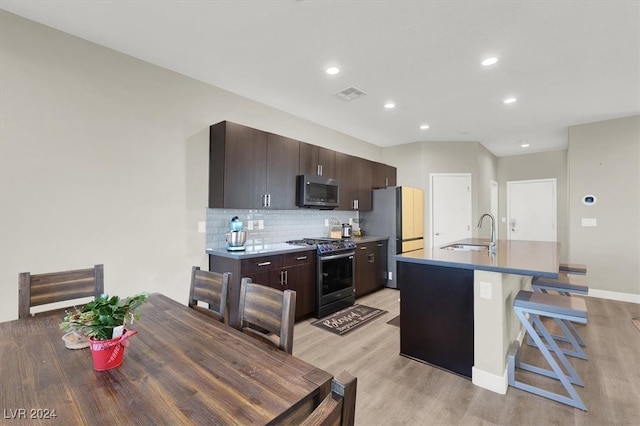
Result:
x=348 y=319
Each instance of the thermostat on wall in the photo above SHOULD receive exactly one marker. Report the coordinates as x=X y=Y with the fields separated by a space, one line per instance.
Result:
x=588 y=200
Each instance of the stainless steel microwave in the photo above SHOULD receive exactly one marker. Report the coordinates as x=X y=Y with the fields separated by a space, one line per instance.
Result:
x=317 y=192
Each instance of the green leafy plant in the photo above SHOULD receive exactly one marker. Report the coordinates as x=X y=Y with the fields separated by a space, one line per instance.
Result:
x=98 y=318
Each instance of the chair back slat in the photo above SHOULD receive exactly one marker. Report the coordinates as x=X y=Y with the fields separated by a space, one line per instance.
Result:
x=267 y=313
x=43 y=289
x=339 y=407
x=212 y=289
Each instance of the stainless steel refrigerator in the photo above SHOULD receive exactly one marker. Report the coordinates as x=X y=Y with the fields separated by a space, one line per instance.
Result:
x=397 y=213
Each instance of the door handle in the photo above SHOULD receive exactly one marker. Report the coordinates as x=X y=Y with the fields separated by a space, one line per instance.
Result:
x=436 y=234
x=263 y=264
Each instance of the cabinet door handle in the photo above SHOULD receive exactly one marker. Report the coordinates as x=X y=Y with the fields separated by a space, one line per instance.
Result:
x=286 y=277
x=263 y=264
x=386 y=181
x=319 y=170
x=363 y=248
x=281 y=278
x=268 y=200
x=380 y=244
x=301 y=258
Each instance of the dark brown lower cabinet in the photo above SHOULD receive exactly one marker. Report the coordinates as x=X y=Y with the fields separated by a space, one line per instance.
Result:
x=436 y=316
x=371 y=267
x=294 y=271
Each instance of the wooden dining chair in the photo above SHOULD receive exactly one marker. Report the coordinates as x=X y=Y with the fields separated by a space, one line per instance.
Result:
x=267 y=314
x=211 y=288
x=339 y=407
x=43 y=289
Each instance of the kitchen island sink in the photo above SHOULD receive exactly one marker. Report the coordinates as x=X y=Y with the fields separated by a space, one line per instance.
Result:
x=466 y=247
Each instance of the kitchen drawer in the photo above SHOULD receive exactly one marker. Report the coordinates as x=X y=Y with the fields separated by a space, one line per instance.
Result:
x=258 y=264
x=366 y=247
x=298 y=258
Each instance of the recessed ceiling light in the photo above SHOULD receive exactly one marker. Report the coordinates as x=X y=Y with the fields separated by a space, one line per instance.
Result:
x=424 y=126
x=509 y=100
x=333 y=70
x=489 y=61
x=389 y=105
x=524 y=144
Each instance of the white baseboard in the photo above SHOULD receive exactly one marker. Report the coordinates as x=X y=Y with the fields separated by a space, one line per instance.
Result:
x=492 y=382
x=614 y=295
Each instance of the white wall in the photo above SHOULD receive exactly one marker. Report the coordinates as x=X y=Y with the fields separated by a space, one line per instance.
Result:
x=415 y=162
x=104 y=159
x=543 y=165
x=604 y=160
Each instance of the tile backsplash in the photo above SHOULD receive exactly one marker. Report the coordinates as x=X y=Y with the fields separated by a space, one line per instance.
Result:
x=278 y=225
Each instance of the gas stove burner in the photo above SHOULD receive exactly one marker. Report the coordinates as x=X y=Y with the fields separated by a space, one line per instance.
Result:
x=326 y=245
x=303 y=242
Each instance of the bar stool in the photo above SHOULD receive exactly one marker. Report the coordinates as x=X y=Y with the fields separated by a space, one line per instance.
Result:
x=565 y=285
x=536 y=305
x=573 y=268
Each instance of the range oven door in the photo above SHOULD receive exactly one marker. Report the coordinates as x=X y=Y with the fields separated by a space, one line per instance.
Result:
x=335 y=282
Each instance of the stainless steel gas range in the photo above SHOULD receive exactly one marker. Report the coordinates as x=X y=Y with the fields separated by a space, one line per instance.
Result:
x=336 y=270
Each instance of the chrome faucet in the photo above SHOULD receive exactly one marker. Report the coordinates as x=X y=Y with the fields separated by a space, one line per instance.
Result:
x=492 y=244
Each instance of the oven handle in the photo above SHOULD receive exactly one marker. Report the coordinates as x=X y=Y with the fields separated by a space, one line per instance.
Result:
x=336 y=256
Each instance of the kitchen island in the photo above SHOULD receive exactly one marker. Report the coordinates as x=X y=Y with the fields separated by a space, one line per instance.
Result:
x=456 y=306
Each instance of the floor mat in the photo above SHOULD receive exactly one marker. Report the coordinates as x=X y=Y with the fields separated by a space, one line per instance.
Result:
x=348 y=319
x=394 y=321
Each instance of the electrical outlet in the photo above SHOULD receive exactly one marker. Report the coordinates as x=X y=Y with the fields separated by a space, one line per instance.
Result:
x=250 y=225
x=202 y=227
x=390 y=276
x=326 y=222
x=485 y=290
x=261 y=224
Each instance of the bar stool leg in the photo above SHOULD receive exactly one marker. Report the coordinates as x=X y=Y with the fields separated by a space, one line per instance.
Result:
x=556 y=372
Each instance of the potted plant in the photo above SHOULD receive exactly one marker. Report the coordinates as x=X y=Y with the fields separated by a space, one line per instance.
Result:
x=102 y=322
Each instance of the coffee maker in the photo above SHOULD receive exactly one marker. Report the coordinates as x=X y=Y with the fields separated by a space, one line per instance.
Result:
x=236 y=237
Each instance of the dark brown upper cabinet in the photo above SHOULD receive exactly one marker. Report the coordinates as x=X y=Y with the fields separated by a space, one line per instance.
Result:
x=355 y=177
x=384 y=175
x=251 y=169
x=317 y=161
x=282 y=167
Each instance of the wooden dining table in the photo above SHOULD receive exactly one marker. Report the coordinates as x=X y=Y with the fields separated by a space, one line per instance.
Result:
x=181 y=368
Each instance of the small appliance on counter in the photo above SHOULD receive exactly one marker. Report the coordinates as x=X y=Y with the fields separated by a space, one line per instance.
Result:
x=346 y=230
x=237 y=236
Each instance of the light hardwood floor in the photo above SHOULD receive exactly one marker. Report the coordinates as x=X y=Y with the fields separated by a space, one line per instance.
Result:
x=393 y=390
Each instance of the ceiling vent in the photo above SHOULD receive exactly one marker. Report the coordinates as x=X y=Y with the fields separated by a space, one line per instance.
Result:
x=349 y=94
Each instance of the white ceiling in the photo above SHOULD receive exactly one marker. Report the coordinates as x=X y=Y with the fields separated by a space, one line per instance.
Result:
x=567 y=62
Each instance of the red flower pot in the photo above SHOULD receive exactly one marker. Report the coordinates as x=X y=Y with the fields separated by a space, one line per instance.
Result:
x=108 y=354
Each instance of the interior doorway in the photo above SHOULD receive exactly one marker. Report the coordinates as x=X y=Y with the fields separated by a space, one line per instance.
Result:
x=494 y=204
x=450 y=207
x=532 y=210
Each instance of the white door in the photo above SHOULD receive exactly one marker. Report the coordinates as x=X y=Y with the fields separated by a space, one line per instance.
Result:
x=532 y=210
x=450 y=207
